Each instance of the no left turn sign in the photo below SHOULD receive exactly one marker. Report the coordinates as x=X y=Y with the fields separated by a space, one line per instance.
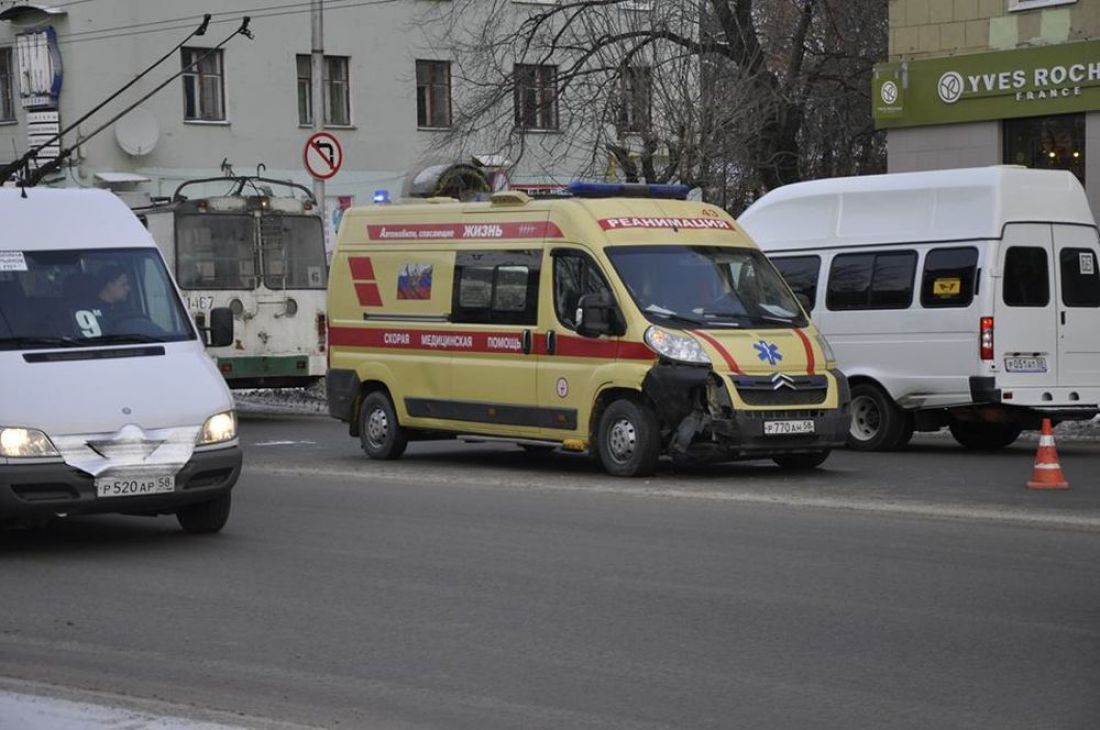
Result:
x=323 y=155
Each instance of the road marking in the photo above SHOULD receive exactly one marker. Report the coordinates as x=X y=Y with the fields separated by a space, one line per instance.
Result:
x=650 y=489
x=282 y=443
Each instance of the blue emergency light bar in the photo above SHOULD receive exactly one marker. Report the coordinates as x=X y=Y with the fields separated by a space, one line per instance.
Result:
x=580 y=189
x=381 y=196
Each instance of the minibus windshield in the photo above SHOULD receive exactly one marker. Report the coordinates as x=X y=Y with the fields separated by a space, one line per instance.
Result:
x=80 y=298
x=709 y=286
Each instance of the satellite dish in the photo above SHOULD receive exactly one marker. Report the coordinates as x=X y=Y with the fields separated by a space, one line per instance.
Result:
x=137 y=132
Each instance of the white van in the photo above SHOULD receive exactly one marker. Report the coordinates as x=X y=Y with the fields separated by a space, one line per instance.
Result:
x=966 y=298
x=108 y=402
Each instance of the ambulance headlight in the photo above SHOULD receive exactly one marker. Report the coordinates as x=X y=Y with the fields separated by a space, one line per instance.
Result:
x=675 y=346
x=218 y=428
x=18 y=443
x=830 y=357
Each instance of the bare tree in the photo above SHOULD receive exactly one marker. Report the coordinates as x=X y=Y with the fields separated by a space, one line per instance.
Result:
x=733 y=96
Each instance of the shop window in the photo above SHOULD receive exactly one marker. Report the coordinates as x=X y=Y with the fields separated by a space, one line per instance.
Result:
x=1027 y=279
x=949 y=277
x=801 y=274
x=1047 y=143
x=871 y=281
x=1080 y=277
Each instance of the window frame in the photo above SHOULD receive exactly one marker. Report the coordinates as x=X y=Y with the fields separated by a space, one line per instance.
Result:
x=589 y=263
x=1076 y=251
x=926 y=280
x=426 y=90
x=304 y=88
x=1046 y=280
x=543 y=115
x=635 y=112
x=194 y=78
x=7 y=86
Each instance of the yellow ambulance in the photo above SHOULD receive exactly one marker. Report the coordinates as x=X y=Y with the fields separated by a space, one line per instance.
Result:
x=621 y=320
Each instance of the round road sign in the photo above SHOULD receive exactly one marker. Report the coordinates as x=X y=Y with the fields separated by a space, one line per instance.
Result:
x=323 y=155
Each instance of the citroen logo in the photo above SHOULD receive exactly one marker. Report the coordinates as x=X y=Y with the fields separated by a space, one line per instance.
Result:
x=782 y=380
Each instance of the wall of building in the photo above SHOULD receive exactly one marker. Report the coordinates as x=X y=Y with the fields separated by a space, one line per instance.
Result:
x=106 y=43
x=928 y=28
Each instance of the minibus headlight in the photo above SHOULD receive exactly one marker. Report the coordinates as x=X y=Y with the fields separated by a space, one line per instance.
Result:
x=16 y=443
x=826 y=349
x=218 y=428
x=674 y=346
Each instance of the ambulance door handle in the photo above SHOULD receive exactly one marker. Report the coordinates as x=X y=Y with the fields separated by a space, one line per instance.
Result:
x=527 y=342
x=551 y=342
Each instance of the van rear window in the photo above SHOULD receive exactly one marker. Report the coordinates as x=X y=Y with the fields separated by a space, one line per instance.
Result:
x=949 y=277
x=1027 y=277
x=881 y=280
x=1080 y=277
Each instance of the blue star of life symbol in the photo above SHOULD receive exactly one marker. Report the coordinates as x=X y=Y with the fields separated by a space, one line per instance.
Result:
x=768 y=352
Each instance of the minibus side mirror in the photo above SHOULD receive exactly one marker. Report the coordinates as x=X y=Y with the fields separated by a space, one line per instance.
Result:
x=220 y=331
x=597 y=315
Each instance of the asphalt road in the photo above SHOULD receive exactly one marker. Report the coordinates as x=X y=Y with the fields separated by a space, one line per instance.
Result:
x=476 y=587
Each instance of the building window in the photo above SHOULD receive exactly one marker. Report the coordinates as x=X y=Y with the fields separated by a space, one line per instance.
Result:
x=203 y=87
x=536 y=97
x=1047 y=143
x=335 y=78
x=433 y=94
x=635 y=93
x=7 y=84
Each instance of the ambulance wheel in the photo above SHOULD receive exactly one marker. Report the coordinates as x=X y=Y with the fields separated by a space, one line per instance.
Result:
x=801 y=462
x=205 y=518
x=984 y=436
x=379 y=432
x=628 y=442
x=877 y=422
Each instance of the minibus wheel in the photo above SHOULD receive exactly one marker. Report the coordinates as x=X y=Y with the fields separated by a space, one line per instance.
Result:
x=205 y=518
x=628 y=442
x=984 y=436
x=877 y=422
x=380 y=434
x=799 y=462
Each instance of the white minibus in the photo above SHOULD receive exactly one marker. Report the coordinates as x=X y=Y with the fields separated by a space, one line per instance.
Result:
x=966 y=298
x=108 y=401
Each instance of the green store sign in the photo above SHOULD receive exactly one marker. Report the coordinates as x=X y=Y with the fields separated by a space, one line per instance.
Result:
x=1029 y=82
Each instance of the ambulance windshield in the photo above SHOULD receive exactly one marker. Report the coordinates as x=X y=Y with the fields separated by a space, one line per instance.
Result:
x=713 y=286
x=88 y=297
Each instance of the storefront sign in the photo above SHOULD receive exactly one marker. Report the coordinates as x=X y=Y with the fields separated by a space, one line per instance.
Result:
x=1028 y=82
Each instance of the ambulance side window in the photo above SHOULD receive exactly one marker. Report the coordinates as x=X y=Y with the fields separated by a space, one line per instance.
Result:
x=496 y=287
x=575 y=275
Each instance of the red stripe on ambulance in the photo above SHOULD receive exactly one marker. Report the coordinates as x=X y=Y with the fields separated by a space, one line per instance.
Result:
x=730 y=362
x=361 y=268
x=490 y=342
x=470 y=231
x=809 y=351
x=368 y=294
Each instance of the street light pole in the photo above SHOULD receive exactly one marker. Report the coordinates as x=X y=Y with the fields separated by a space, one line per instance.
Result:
x=317 y=90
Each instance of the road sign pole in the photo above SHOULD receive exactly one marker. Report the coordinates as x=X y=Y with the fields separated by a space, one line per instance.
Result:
x=317 y=80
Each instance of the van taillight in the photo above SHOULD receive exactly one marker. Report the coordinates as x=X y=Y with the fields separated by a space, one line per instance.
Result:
x=986 y=338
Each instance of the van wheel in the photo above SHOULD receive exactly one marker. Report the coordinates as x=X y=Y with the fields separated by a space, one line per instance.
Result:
x=380 y=434
x=877 y=422
x=628 y=442
x=985 y=436
x=801 y=462
x=205 y=518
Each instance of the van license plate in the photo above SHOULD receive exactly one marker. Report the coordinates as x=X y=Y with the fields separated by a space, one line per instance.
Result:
x=783 y=428
x=134 y=487
x=1025 y=364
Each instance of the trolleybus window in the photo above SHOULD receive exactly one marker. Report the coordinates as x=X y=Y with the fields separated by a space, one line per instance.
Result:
x=215 y=251
x=293 y=252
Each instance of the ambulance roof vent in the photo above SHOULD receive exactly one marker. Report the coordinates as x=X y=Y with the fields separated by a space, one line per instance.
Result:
x=581 y=189
x=509 y=197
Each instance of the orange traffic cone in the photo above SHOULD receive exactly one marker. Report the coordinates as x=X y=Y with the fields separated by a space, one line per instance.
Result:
x=1047 y=473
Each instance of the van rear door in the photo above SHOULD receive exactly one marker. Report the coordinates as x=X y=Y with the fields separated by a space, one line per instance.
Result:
x=1025 y=337
x=1077 y=261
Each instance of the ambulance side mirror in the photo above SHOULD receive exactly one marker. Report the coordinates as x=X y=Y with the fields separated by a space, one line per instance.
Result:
x=597 y=315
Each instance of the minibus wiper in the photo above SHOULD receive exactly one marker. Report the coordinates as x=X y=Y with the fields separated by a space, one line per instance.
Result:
x=14 y=343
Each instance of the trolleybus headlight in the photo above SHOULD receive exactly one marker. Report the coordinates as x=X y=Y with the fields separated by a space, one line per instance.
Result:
x=218 y=428
x=236 y=306
x=674 y=346
x=291 y=307
x=18 y=443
